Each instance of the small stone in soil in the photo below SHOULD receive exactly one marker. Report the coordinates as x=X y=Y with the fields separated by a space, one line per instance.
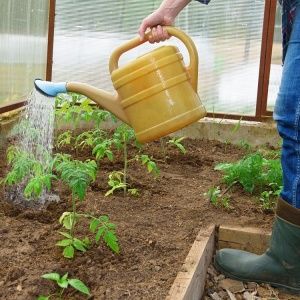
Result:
x=157 y=268
x=251 y=286
x=215 y=296
x=223 y=294
x=233 y=286
x=248 y=296
x=19 y=288
x=231 y=295
x=211 y=271
x=220 y=277
x=264 y=292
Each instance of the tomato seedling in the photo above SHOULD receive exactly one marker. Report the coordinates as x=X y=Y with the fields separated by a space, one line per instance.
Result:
x=63 y=282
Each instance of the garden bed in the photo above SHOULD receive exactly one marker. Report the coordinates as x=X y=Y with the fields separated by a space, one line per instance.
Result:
x=155 y=230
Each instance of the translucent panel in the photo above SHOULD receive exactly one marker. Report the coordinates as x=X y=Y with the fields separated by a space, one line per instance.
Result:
x=276 y=63
x=23 y=46
x=227 y=34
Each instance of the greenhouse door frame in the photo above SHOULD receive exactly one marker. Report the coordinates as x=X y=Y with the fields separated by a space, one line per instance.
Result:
x=261 y=112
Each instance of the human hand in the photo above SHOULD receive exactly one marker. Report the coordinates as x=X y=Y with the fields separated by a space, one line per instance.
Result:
x=155 y=23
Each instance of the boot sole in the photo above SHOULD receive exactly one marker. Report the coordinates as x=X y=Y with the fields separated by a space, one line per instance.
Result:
x=281 y=287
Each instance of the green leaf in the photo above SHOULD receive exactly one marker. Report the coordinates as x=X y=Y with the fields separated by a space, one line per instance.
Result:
x=109 y=155
x=64 y=243
x=43 y=297
x=99 y=233
x=94 y=224
x=51 y=276
x=104 y=219
x=65 y=234
x=79 y=286
x=65 y=276
x=111 y=240
x=63 y=283
x=79 y=245
x=67 y=219
x=181 y=148
x=68 y=252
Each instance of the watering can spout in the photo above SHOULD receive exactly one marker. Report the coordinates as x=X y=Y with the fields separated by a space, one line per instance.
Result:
x=104 y=99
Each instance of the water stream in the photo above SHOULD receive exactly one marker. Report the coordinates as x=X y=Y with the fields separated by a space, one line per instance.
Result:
x=34 y=135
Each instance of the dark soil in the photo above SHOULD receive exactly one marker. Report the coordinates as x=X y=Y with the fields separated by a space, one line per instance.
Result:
x=155 y=230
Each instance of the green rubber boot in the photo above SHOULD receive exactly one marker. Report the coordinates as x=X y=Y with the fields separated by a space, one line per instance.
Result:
x=279 y=265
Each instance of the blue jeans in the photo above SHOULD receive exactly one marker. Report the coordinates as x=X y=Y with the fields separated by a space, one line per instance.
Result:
x=287 y=116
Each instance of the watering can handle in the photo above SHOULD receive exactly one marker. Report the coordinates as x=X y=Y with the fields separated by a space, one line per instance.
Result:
x=192 y=68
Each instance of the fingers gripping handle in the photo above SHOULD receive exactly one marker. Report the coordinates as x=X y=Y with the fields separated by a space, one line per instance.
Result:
x=192 y=68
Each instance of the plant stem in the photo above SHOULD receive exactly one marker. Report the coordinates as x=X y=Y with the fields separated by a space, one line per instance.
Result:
x=125 y=164
x=163 y=148
x=228 y=188
x=61 y=293
x=74 y=214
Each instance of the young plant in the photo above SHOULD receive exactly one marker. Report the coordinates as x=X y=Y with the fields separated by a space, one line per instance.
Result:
x=64 y=139
x=217 y=198
x=74 y=108
x=177 y=143
x=149 y=163
x=121 y=137
x=213 y=194
x=78 y=176
x=103 y=149
x=27 y=170
x=116 y=182
x=63 y=282
x=255 y=173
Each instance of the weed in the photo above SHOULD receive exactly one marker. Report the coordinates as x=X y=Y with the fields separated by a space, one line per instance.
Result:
x=63 y=282
x=213 y=194
x=256 y=174
x=237 y=126
x=177 y=143
x=245 y=145
x=217 y=198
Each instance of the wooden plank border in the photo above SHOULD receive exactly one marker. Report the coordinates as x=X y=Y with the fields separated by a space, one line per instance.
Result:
x=254 y=240
x=190 y=281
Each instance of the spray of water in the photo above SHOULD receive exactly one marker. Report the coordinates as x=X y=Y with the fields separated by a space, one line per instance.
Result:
x=34 y=134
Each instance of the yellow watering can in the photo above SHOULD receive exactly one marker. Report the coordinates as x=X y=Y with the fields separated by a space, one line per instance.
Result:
x=156 y=93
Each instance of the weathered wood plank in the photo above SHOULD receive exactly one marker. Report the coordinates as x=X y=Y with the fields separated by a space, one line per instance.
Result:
x=190 y=281
x=249 y=239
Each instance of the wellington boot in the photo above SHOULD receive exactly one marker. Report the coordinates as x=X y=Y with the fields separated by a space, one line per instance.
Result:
x=279 y=265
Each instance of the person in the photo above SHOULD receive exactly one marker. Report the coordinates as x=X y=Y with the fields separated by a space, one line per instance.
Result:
x=280 y=264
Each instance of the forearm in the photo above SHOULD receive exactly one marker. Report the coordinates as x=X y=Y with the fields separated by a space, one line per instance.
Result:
x=173 y=7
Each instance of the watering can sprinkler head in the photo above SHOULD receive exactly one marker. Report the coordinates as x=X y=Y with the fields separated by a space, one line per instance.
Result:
x=156 y=93
x=50 y=89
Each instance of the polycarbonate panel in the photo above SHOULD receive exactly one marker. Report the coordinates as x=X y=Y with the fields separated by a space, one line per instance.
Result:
x=23 y=46
x=276 y=63
x=227 y=34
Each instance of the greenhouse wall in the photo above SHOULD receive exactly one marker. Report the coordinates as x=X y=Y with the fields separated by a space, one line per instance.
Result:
x=227 y=34
x=23 y=46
